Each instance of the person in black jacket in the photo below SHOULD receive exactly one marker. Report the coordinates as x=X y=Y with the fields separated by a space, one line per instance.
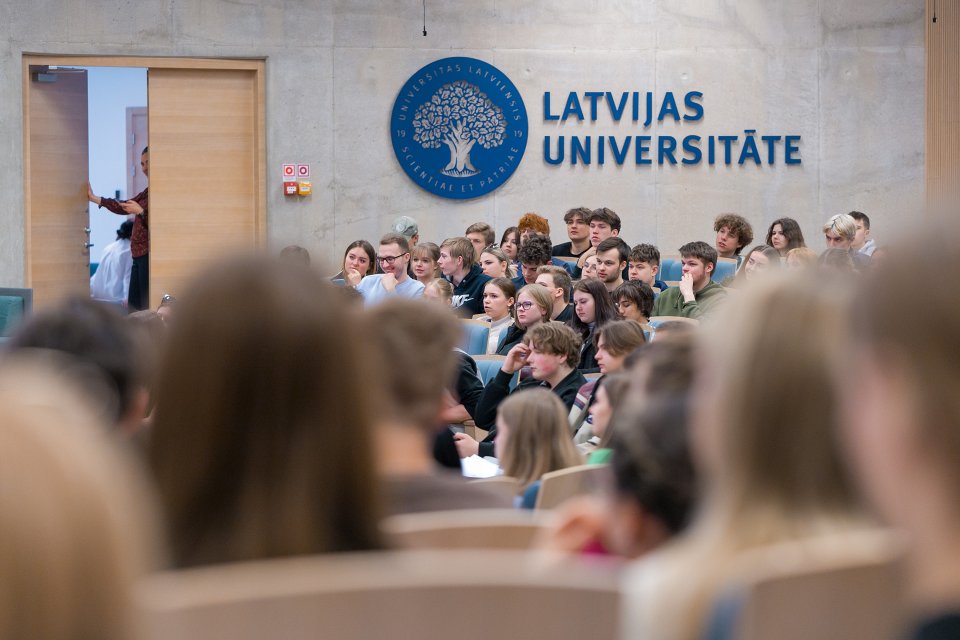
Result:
x=457 y=265
x=552 y=351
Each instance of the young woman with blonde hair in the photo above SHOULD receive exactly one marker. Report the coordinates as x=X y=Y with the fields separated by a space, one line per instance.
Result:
x=496 y=264
x=765 y=443
x=533 y=306
x=533 y=438
x=423 y=262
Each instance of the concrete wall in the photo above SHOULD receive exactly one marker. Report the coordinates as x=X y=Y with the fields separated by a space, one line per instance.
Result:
x=846 y=75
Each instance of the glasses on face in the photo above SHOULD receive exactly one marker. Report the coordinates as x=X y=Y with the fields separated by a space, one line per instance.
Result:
x=389 y=259
x=526 y=306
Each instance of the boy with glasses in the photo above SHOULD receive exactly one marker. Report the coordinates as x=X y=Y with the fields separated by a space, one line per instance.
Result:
x=393 y=258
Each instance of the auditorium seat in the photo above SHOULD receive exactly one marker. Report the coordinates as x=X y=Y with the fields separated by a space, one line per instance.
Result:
x=835 y=587
x=671 y=269
x=476 y=333
x=726 y=268
x=15 y=304
x=557 y=487
x=467 y=529
x=488 y=366
x=470 y=595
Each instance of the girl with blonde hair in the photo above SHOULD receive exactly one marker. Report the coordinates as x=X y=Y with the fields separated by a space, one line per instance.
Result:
x=533 y=438
x=496 y=264
x=765 y=445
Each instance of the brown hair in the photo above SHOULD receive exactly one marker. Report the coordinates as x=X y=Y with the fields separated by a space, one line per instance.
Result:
x=620 y=337
x=398 y=239
x=413 y=336
x=645 y=253
x=561 y=279
x=258 y=399
x=701 y=251
x=791 y=229
x=556 y=338
x=443 y=287
x=460 y=247
x=533 y=222
x=489 y=235
x=639 y=293
x=539 y=440
x=806 y=255
x=580 y=212
x=368 y=249
x=295 y=253
x=540 y=295
x=608 y=216
x=738 y=225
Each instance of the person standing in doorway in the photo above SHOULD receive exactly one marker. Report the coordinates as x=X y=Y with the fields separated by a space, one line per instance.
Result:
x=138 y=297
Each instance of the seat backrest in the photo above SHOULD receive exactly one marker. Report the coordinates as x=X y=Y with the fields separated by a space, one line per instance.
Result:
x=15 y=306
x=488 y=366
x=467 y=529
x=472 y=595
x=835 y=587
x=509 y=485
x=557 y=487
x=476 y=333
x=726 y=268
x=671 y=269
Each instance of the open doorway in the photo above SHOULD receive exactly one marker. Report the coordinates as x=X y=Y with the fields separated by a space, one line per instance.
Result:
x=117 y=126
x=207 y=168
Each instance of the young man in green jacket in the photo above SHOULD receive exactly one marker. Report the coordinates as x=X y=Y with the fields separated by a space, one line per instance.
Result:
x=697 y=295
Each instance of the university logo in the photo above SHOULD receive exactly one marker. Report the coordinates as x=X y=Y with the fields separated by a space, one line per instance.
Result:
x=459 y=128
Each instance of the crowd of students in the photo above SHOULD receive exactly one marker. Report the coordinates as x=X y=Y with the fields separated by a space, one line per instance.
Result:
x=272 y=411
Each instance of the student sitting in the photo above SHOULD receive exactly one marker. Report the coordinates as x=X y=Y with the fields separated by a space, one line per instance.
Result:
x=359 y=261
x=496 y=264
x=394 y=258
x=644 y=266
x=634 y=301
x=531 y=308
x=499 y=298
x=609 y=395
x=532 y=440
x=480 y=235
x=552 y=351
x=697 y=295
x=423 y=262
x=758 y=260
x=458 y=267
x=785 y=235
x=558 y=282
x=578 y=231
x=733 y=234
x=592 y=308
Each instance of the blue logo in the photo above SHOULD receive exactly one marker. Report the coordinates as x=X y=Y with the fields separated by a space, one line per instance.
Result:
x=459 y=128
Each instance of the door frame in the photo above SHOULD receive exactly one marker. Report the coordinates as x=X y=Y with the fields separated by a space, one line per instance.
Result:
x=256 y=65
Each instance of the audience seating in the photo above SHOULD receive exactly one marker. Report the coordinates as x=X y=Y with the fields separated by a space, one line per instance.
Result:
x=15 y=304
x=488 y=366
x=557 y=487
x=671 y=270
x=568 y=259
x=467 y=529
x=510 y=485
x=470 y=595
x=726 y=268
x=476 y=333
x=836 y=587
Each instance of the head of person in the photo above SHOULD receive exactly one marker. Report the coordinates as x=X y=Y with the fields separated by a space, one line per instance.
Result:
x=295 y=253
x=578 y=229
x=440 y=291
x=423 y=260
x=534 y=305
x=699 y=260
x=862 y=221
x=785 y=234
x=765 y=427
x=78 y=527
x=840 y=231
x=360 y=256
x=408 y=228
x=257 y=398
x=499 y=297
x=125 y=230
x=145 y=161
x=612 y=256
x=554 y=349
x=480 y=235
x=654 y=480
x=533 y=436
x=422 y=337
x=589 y=270
x=99 y=348
x=609 y=395
x=615 y=341
x=644 y=263
x=456 y=256
x=533 y=254
x=801 y=258
x=759 y=259
x=510 y=242
x=394 y=255
x=836 y=262
x=905 y=417
x=557 y=281
x=530 y=224
x=733 y=234
x=603 y=223
x=592 y=305
x=495 y=263
x=634 y=301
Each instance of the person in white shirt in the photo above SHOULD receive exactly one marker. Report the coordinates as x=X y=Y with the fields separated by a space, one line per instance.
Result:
x=393 y=257
x=111 y=282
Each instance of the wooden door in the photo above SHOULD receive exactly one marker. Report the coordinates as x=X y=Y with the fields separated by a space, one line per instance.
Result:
x=205 y=171
x=56 y=159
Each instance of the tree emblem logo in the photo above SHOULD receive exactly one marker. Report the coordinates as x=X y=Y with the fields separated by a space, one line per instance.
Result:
x=459 y=128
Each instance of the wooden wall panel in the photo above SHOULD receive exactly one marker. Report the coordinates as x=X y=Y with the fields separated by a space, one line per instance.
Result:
x=943 y=103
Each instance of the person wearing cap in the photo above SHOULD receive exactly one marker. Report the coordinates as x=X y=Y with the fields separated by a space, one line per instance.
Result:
x=408 y=228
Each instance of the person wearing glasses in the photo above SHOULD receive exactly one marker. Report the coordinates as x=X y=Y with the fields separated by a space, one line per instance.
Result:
x=393 y=258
